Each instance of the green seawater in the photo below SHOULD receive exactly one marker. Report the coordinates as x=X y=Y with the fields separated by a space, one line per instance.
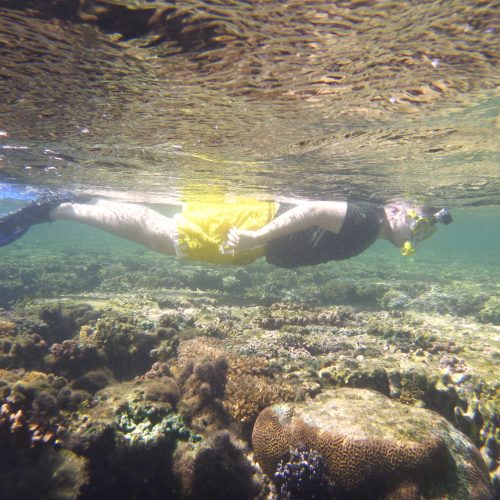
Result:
x=122 y=370
x=459 y=259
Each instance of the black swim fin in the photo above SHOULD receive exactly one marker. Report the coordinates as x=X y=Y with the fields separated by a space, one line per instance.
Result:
x=13 y=225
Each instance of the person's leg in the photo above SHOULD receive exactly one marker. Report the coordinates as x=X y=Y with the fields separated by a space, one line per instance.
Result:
x=127 y=220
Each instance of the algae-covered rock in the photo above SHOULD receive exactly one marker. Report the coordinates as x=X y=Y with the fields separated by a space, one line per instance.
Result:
x=46 y=473
x=490 y=313
x=32 y=462
x=25 y=351
x=127 y=342
x=339 y=292
x=216 y=469
x=394 y=299
x=374 y=447
x=130 y=434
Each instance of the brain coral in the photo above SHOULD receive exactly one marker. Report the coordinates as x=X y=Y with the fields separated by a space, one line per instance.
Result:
x=373 y=447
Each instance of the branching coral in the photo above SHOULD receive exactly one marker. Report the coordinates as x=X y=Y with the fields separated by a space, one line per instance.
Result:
x=304 y=475
x=251 y=387
x=251 y=384
x=203 y=386
x=31 y=403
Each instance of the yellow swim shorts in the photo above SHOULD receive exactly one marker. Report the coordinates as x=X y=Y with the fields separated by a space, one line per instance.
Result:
x=202 y=228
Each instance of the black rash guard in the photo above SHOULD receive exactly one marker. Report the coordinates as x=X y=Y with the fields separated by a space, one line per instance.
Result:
x=314 y=245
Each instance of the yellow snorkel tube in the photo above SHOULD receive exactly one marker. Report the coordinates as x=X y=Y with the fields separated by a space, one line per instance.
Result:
x=408 y=249
x=423 y=227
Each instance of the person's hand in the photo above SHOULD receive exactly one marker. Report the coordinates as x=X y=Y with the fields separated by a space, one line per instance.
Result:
x=239 y=240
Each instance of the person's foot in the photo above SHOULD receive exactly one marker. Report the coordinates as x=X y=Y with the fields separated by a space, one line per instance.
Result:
x=13 y=225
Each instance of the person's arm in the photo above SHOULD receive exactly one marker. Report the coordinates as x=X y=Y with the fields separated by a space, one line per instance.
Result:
x=328 y=215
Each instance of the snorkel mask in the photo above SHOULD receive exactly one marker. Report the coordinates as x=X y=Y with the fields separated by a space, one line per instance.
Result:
x=423 y=227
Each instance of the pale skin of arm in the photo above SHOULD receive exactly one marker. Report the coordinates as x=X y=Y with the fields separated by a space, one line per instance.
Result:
x=328 y=215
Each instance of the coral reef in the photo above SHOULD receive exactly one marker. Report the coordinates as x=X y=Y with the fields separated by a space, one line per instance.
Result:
x=203 y=384
x=304 y=475
x=245 y=384
x=450 y=291
x=128 y=427
x=373 y=447
x=218 y=470
x=157 y=375
x=32 y=430
x=490 y=312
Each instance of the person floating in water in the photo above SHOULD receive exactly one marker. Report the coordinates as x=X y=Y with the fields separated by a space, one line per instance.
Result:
x=241 y=231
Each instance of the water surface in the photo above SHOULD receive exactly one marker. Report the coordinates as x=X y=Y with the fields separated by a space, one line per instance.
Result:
x=370 y=100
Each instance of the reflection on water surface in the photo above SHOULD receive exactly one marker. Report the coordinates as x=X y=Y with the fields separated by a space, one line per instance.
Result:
x=359 y=99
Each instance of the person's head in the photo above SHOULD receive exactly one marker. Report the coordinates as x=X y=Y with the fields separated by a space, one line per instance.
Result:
x=410 y=225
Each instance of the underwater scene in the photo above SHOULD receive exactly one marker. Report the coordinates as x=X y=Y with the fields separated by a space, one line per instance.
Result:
x=249 y=249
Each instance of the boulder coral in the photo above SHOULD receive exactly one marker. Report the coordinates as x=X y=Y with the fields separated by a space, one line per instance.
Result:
x=373 y=447
x=127 y=342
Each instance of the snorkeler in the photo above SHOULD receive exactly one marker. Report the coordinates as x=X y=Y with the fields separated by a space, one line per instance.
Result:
x=241 y=231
